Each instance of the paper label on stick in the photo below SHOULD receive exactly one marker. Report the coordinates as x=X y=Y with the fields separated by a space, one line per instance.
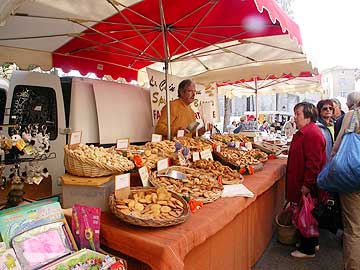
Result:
x=248 y=145
x=122 y=181
x=180 y=133
x=218 y=148
x=162 y=164
x=75 y=137
x=206 y=154
x=144 y=176
x=196 y=156
x=156 y=138
x=122 y=144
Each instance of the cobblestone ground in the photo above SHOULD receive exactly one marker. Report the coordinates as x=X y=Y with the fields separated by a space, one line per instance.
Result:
x=277 y=256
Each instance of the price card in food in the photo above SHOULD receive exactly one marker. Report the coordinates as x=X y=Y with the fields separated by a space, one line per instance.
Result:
x=206 y=154
x=75 y=138
x=156 y=138
x=144 y=176
x=162 y=164
x=122 y=186
x=122 y=144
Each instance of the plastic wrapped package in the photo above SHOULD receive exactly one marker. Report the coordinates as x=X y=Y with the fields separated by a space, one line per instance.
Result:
x=42 y=245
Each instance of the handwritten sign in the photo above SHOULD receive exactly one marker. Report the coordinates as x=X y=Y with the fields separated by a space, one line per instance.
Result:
x=206 y=154
x=180 y=133
x=122 y=181
x=144 y=176
x=156 y=138
x=162 y=164
x=218 y=148
x=75 y=137
x=248 y=145
x=158 y=95
x=122 y=144
x=196 y=156
x=122 y=186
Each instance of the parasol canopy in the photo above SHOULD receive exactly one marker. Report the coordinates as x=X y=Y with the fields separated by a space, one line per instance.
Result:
x=120 y=37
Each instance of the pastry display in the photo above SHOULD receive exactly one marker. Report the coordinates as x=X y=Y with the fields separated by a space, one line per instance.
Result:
x=107 y=157
x=143 y=156
x=268 y=147
x=238 y=159
x=151 y=207
x=216 y=169
x=197 y=145
x=225 y=139
x=165 y=148
x=196 y=185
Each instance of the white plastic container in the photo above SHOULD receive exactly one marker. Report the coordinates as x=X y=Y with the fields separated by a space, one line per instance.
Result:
x=93 y=192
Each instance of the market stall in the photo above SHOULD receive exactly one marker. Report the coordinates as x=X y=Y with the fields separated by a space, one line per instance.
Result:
x=237 y=230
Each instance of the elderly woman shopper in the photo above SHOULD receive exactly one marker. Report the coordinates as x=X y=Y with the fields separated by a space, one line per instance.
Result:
x=350 y=202
x=325 y=109
x=306 y=159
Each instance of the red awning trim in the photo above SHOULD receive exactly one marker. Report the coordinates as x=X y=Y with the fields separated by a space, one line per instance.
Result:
x=277 y=14
x=271 y=77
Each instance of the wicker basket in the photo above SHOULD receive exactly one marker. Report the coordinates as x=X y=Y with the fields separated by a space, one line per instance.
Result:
x=81 y=166
x=150 y=222
x=155 y=182
x=226 y=162
x=286 y=232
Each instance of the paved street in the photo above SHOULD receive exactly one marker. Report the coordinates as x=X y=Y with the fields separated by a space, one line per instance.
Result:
x=277 y=256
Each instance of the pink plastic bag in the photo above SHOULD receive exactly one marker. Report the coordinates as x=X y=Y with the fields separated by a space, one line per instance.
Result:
x=304 y=220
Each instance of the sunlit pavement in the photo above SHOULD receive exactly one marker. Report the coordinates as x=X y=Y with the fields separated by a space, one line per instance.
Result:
x=277 y=256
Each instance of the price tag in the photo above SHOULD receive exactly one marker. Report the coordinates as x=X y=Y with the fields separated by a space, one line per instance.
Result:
x=144 y=176
x=162 y=164
x=196 y=156
x=248 y=145
x=237 y=144
x=122 y=186
x=122 y=144
x=122 y=181
x=156 y=138
x=206 y=154
x=75 y=137
x=218 y=148
x=180 y=133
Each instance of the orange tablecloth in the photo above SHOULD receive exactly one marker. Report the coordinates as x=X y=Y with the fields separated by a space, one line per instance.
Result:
x=223 y=221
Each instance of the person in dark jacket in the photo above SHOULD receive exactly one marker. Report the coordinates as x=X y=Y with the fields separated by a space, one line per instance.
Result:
x=338 y=113
x=306 y=158
x=351 y=100
x=325 y=122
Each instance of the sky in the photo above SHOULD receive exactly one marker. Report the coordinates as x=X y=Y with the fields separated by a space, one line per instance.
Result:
x=330 y=30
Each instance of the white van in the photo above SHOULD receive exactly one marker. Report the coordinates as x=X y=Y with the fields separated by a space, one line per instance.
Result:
x=104 y=111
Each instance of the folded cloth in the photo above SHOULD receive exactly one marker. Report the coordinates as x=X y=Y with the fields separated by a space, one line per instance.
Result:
x=236 y=190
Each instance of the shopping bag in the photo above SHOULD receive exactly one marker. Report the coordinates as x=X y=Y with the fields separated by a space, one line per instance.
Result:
x=303 y=219
x=328 y=213
x=342 y=173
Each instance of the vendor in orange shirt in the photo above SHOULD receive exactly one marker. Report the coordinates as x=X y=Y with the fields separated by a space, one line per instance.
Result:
x=181 y=114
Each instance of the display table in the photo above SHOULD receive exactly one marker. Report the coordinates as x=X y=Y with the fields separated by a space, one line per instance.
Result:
x=32 y=191
x=230 y=233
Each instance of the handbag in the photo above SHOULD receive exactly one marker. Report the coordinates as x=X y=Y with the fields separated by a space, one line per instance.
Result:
x=328 y=213
x=342 y=173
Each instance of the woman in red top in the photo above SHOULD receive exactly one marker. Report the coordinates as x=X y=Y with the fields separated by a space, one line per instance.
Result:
x=306 y=158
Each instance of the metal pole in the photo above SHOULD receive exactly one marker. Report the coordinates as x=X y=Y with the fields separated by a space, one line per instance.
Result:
x=256 y=99
x=166 y=63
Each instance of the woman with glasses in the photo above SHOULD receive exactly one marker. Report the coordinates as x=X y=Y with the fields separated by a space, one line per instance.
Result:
x=325 y=122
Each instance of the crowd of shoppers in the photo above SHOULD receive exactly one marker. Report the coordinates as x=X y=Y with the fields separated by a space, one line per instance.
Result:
x=311 y=147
